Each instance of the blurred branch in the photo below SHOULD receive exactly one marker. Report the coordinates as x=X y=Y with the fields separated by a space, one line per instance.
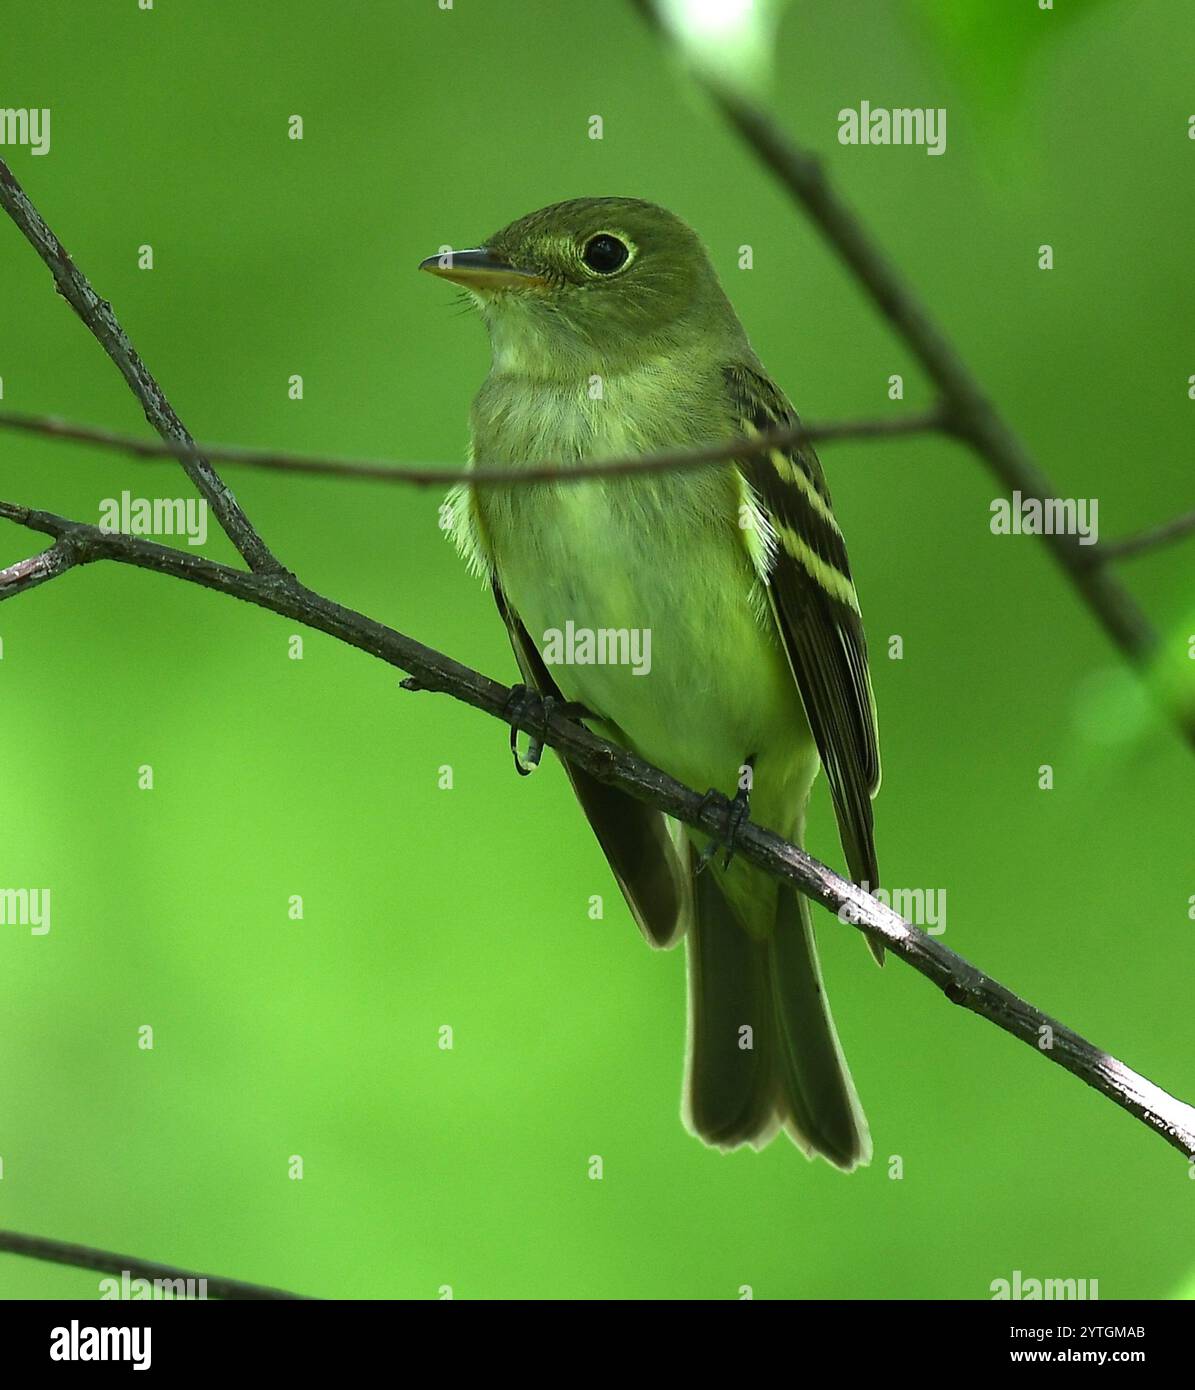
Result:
x=1150 y=539
x=668 y=461
x=970 y=415
x=106 y=1262
x=97 y=315
x=428 y=669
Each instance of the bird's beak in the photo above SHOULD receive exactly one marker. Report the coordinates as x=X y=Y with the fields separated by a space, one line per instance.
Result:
x=481 y=270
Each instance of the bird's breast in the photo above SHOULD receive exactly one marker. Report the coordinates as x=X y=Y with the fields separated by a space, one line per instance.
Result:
x=639 y=594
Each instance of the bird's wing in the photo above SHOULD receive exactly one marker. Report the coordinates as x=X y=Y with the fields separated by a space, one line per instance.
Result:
x=802 y=560
x=642 y=851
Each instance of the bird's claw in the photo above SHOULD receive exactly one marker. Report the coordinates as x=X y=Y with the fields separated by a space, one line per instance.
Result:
x=522 y=703
x=525 y=702
x=737 y=811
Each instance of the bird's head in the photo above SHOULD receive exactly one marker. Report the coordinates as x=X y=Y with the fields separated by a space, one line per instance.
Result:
x=594 y=284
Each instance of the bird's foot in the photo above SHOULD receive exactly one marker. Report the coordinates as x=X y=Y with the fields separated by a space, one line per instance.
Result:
x=526 y=703
x=523 y=703
x=737 y=811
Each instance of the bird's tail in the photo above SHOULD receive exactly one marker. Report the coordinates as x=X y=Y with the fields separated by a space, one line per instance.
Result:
x=763 y=1053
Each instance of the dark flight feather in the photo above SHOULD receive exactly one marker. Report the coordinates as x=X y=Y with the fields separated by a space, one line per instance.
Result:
x=813 y=598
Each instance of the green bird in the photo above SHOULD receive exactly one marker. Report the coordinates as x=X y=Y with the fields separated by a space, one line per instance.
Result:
x=611 y=336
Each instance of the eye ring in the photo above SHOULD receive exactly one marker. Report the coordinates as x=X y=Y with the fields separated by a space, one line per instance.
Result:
x=605 y=254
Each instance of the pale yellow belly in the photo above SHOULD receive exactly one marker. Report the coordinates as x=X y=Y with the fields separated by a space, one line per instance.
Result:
x=690 y=673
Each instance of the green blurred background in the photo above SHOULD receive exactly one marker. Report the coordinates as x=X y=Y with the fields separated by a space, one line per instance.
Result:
x=469 y=906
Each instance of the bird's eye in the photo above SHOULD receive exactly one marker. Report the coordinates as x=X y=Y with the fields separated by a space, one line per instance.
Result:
x=604 y=254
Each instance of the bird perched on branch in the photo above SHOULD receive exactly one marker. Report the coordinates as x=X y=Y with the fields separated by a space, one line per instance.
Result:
x=611 y=336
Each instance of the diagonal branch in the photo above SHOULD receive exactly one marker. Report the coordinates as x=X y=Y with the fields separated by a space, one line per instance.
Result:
x=37 y=569
x=971 y=416
x=668 y=461
x=97 y=314
x=961 y=982
x=106 y=1262
x=1150 y=539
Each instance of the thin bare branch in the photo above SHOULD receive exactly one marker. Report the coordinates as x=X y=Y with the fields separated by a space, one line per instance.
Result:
x=106 y=1262
x=37 y=569
x=97 y=315
x=1150 y=539
x=670 y=460
x=970 y=414
x=428 y=669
